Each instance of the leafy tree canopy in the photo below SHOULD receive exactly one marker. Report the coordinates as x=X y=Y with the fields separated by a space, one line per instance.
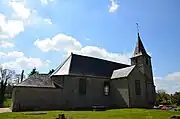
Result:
x=162 y=97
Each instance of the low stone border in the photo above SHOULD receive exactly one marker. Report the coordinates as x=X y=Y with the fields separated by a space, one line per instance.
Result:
x=35 y=113
x=175 y=117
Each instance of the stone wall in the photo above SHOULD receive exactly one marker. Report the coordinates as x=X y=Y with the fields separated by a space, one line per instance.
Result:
x=119 y=93
x=122 y=94
x=137 y=100
x=27 y=98
x=94 y=91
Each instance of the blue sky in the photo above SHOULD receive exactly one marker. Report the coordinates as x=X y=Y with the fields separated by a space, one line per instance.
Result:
x=41 y=33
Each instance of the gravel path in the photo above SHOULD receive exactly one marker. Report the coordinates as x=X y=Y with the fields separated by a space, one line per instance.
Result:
x=2 y=110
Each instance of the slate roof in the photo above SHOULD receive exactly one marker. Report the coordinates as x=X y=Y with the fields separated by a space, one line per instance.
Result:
x=121 y=73
x=139 y=49
x=87 y=66
x=37 y=80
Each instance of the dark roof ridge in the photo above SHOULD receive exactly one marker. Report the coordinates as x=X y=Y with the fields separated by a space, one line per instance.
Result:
x=98 y=59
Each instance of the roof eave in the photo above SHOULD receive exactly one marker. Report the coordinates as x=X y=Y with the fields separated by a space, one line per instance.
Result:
x=119 y=78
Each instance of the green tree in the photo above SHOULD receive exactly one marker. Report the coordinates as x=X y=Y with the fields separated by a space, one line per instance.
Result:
x=5 y=76
x=34 y=71
x=176 y=98
x=8 y=91
x=163 y=98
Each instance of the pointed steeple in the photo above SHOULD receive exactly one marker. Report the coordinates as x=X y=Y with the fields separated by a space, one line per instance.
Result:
x=139 y=49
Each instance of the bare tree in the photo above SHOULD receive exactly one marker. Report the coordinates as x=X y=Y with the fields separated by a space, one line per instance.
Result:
x=18 y=78
x=5 y=75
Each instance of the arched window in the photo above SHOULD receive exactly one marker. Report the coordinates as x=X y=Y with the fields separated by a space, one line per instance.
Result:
x=106 y=88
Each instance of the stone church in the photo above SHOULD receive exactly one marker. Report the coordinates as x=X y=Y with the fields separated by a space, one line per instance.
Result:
x=84 y=82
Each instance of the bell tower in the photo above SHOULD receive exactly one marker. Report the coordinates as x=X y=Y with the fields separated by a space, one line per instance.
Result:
x=142 y=60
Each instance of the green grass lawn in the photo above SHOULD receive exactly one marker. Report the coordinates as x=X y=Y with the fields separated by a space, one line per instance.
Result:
x=7 y=103
x=109 y=114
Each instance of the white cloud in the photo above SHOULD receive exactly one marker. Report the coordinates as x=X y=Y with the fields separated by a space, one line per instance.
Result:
x=13 y=54
x=20 y=10
x=2 y=54
x=67 y=44
x=173 y=76
x=114 y=6
x=46 y=1
x=170 y=83
x=13 y=27
x=60 y=42
x=21 y=17
x=29 y=16
x=20 y=62
x=48 y=21
x=3 y=36
x=10 y=28
x=36 y=19
x=25 y=63
x=6 y=44
x=2 y=19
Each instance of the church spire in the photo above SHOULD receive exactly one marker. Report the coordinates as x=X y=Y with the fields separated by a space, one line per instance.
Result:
x=139 y=49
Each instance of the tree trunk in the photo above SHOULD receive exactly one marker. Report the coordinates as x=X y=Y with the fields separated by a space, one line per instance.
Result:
x=2 y=93
x=1 y=97
x=1 y=100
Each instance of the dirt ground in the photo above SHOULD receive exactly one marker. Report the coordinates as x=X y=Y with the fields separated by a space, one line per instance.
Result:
x=2 y=110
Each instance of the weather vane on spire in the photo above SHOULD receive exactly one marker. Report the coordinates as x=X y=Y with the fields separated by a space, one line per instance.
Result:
x=137 y=27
